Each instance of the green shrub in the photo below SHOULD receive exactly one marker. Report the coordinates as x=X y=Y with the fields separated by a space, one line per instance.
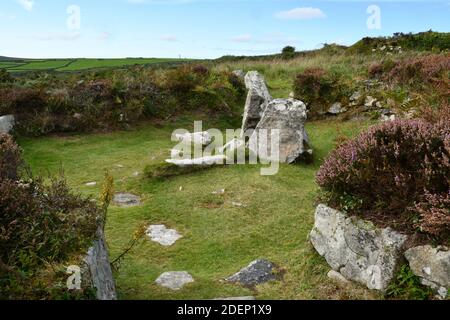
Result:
x=40 y=225
x=319 y=89
x=406 y=285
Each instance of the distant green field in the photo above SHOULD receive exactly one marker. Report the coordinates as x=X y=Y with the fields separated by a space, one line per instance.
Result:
x=79 y=64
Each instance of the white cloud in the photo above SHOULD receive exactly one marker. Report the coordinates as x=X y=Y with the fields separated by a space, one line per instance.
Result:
x=169 y=38
x=300 y=14
x=26 y=4
x=242 y=38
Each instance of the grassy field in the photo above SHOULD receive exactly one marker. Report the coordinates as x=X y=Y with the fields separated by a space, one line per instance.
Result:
x=63 y=65
x=219 y=239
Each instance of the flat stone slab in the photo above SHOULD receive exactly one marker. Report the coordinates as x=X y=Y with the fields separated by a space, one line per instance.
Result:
x=126 y=200
x=166 y=237
x=174 y=280
x=249 y=298
x=257 y=272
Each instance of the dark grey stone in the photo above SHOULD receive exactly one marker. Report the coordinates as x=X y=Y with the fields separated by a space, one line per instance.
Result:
x=257 y=272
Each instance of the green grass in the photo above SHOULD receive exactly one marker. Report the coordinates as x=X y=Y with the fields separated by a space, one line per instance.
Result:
x=219 y=239
x=41 y=65
x=83 y=64
x=80 y=64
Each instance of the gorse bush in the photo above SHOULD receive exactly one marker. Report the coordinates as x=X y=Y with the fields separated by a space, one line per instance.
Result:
x=397 y=171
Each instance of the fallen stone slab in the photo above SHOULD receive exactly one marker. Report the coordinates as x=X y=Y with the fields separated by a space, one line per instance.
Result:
x=356 y=248
x=204 y=161
x=174 y=280
x=288 y=116
x=160 y=234
x=432 y=266
x=232 y=146
x=126 y=200
x=257 y=272
x=6 y=123
x=249 y=298
x=258 y=98
x=201 y=138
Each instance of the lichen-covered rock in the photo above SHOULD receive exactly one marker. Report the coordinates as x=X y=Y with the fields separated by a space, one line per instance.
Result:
x=174 y=280
x=6 y=123
x=257 y=100
x=336 y=109
x=257 y=272
x=160 y=234
x=357 y=249
x=432 y=265
x=99 y=269
x=289 y=117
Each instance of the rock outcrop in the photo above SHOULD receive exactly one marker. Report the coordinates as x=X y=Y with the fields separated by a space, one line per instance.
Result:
x=357 y=249
x=432 y=266
x=257 y=100
x=289 y=117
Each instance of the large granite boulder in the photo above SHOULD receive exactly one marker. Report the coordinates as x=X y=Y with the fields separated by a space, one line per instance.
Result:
x=432 y=266
x=356 y=248
x=6 y=123
x=289 y=117
x=257 y=100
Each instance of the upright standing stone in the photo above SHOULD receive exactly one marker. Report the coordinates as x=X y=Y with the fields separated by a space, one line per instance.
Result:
x=289 y=117
x=257 y=100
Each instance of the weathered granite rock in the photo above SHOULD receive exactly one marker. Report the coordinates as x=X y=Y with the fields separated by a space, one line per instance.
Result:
x=6 y=123
x=257 y=272
x=336 y=276
x=239 y=73
x=432 y=265
x=126 y=200
x=174 y=280
x=336 y=109
x=289 y=117
x=257 y=100
x=162 y=235
x=202 y=138
x=357 y=249
x=370 y=102
x=99 y=269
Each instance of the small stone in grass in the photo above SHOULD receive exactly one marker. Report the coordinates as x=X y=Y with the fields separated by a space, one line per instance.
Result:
x=91 y=184
x=221 y=191
x=257 y=272
x=174 y=280
x=126 y=200
x=166 y=237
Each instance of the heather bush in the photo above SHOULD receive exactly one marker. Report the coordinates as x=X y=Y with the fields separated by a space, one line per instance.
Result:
x=397 y=171
x=10 y=158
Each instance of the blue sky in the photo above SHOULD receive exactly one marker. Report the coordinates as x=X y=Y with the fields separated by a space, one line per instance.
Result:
x=200 y=28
